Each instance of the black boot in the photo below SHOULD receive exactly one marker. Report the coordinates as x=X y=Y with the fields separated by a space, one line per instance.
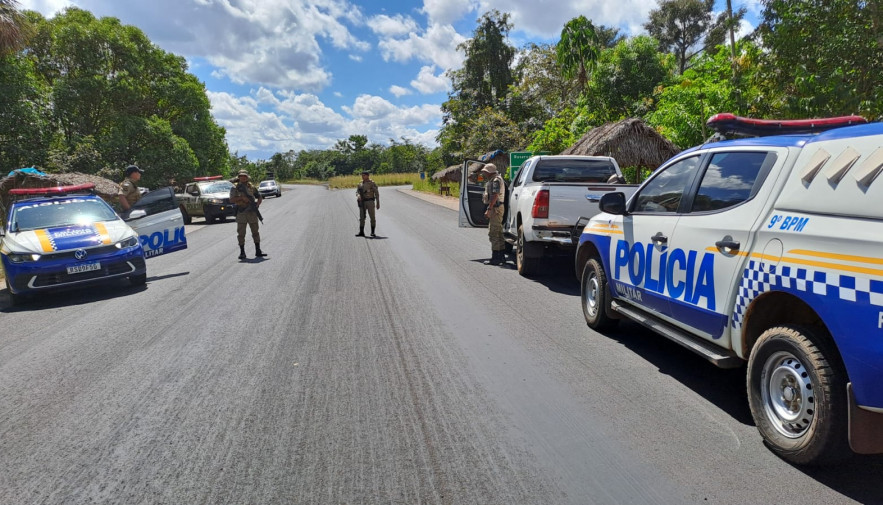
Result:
x=361 y=231
x=242 y=252
x=372 y=232
x=496 y=258
x=257 y=251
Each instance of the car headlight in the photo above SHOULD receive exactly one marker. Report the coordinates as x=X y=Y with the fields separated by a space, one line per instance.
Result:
x=23 y=258
x=127 y=242
x=215 y=201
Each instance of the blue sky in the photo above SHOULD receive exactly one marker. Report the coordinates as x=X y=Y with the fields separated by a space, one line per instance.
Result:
x=302 y=74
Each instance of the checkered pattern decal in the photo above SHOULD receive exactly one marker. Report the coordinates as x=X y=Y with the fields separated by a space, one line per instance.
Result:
x=760 y=277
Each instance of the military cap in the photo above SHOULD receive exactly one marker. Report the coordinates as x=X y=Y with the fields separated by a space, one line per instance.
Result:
x=489 y=168
x=131 y=169
x=365 y=172
x=243 y=172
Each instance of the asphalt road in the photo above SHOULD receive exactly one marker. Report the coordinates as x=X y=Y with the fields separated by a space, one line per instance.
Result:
x=344 y=370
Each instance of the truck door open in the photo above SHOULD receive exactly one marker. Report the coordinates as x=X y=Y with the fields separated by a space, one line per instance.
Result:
x=471 y=192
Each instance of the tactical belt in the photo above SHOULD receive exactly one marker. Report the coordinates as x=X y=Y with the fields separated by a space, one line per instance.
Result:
x=367 y=199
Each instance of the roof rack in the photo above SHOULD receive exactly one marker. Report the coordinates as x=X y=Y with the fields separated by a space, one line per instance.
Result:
x=53 y=190
x=210 y=178
x=729 y=124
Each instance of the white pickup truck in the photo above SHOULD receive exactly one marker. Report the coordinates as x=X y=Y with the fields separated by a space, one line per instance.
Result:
x=545 y=201
x=765 y=251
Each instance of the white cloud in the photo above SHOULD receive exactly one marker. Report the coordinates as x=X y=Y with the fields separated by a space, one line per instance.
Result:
x=428 y=83
x=392 y=26
x=438 y=45
x=545 y=20
x=446 y=12
x=48 y=8
x=399 y=91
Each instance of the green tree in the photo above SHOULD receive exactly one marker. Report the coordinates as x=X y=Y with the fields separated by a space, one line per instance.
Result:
x=540 y=92
x=14 y=29
x=823 y=58
x=578 y=50
x=679 y=26
x=24 y=115
x=492 y=130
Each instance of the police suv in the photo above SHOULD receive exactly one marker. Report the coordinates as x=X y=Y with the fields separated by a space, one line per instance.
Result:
x=765 y=250
x=66 y=236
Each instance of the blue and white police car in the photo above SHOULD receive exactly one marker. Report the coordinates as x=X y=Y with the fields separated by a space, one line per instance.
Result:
x=66 y=236
x=765 y=251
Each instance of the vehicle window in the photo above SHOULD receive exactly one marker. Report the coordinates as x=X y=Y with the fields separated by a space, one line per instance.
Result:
x=218 y=187
x=60 y=213
x=522 y=173
x=730 y=179
x=192 y=189
x=573 y=170
x=156 y=201
x=663 y=193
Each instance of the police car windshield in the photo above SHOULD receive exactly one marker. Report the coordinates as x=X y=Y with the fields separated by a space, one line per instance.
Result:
x=218 y=187
x=59 y=213
x=573 y=170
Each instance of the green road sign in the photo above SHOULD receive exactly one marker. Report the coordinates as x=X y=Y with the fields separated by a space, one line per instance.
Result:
x=516 y=159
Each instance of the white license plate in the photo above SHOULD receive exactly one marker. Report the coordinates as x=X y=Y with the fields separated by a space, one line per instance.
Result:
x=85 y=267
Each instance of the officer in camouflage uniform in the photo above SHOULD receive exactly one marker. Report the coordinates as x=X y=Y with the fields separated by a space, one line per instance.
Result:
x=494 y=196
x=246 y=213
x=128 y=193
x=368 y=198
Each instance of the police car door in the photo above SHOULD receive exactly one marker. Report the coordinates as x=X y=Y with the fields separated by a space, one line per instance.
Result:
x=157 y=219
x=715 y=235
x=471 y=191
x=640 y=259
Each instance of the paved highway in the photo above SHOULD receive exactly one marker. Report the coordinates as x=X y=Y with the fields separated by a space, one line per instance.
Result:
x=344 y=370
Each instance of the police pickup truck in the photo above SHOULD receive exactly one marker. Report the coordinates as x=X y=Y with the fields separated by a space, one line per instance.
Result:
x=544 y=203
x=208 y=197
x=765 y=251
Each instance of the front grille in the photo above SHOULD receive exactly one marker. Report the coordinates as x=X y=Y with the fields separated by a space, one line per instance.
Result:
x=61 y=278
x=91 y=253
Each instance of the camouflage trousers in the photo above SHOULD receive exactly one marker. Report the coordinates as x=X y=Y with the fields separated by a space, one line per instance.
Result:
x=367 y=207
x=495 y=229
x=249 y=219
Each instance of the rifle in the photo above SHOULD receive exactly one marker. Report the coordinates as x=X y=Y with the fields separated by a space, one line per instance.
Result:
x=252 y=203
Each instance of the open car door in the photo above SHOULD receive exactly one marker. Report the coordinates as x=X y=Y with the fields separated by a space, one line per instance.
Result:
x=471 y=192
x=159 y=223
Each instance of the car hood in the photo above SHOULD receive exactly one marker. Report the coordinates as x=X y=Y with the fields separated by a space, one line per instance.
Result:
x=222 y=194
x=65 y=238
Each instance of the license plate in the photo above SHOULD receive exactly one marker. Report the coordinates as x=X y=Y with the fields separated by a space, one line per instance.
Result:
x=85 y=267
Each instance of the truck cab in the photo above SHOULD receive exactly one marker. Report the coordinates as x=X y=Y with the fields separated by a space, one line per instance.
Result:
x=208 y=197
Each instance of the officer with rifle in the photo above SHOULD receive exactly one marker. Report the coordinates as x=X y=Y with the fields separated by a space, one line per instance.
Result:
x=247 y=199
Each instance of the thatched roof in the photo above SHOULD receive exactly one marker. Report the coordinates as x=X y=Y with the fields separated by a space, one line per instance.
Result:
x=105 y=188
x=631 y=142
x=452 y=174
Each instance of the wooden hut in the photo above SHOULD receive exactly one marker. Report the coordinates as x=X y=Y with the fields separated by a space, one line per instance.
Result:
x=104 y=188
x=631 y=142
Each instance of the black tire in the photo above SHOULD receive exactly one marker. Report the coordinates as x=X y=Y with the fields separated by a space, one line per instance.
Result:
x=138 y=280
x=595 y=296
x=797 y=395
x=187 y=218
x=526 y=266
x=222 y=218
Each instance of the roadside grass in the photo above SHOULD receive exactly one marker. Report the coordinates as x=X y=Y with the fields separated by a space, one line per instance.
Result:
x=351 y=181
x=316 y=182
x=432 y=186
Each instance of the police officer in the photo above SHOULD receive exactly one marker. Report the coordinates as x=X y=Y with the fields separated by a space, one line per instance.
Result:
x=494 y=196
x=246 y=213
x=368 y=198
x=128 y=193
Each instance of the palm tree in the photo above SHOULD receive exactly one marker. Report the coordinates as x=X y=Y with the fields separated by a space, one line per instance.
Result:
x=12 y=27
x=578 y=50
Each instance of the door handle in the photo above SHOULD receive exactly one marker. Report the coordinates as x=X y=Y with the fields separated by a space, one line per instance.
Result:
x=728 y=245
x=659 y=238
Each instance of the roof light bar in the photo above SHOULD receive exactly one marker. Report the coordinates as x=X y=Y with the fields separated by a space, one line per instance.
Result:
x=730 y=124
x=211 y=178
x=52 y=191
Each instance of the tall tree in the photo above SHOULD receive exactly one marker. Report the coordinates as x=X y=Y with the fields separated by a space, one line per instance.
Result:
x=13 y=27
x=680 y=26
x=823 y=57
x=578 y=49
x=540 y=91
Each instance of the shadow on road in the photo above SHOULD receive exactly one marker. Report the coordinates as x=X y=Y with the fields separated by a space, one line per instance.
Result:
x=72 y=296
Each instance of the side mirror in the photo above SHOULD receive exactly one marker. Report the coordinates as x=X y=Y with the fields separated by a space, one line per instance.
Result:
x=136 y=214
x=613 y=203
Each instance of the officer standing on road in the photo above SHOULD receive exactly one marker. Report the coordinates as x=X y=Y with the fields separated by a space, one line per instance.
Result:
x=368 y=198
x=128 y=193
x=247 y=203
x=494 y=196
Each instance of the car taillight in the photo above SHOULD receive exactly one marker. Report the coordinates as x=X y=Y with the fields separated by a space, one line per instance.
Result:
x=541 y=204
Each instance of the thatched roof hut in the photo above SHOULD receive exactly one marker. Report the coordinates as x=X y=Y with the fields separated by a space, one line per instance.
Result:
x=631 y=142
x=105 y=188
x=451 y=174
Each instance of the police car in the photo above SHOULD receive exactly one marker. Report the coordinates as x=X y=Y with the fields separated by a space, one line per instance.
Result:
x=66 y=236
x=763 y=251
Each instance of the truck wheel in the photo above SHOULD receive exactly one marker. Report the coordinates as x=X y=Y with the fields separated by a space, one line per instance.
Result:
x=187 y=218
x=595 y=294
x=797 y=395
x=526 y=266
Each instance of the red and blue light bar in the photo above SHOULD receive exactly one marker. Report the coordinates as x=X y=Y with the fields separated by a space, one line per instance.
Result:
x=730 y=124
x=53 y=190
x=211 y=178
